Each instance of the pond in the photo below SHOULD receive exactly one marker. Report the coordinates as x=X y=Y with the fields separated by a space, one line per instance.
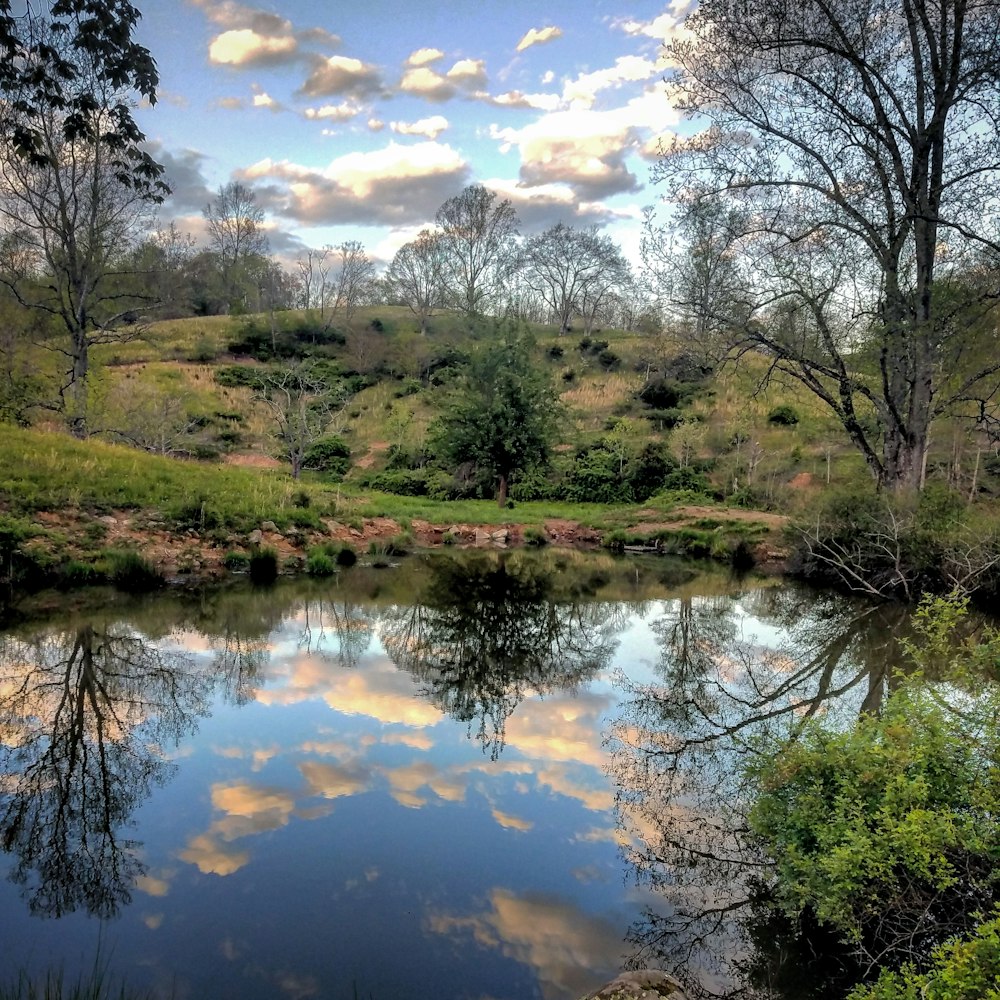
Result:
x=470 y=775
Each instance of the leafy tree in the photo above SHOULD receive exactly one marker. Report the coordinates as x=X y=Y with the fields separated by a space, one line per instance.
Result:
x=501 y=416
x=70 y=220
x=61 y=66
x=479 y=239
x=851 y=163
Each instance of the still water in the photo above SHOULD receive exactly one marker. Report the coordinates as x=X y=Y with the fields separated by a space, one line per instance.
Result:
x=473 y=776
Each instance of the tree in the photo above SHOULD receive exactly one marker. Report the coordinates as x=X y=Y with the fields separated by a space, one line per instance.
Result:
x=353 y=278
x=70 y=222
x=566 y=266
x=56 y=66
x=854 y=152
x=235 y=231
x=502 y=415
x=301 y=401
x=416 y=275
x=479 y=240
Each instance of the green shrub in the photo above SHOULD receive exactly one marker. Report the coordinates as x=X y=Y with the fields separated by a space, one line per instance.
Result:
x=609 y=361
x=81 y=574
x=405 y=482
x=784 y=416
x=330 y=454
x=236 y=562
x=128 y=570
x=264 y=565
x=346 y=556
x=320 y=563
x=595 y=478
x=535 y=537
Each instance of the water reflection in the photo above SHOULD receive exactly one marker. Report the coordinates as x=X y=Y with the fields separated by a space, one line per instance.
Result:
x=488 y=630
x=728 y=689
x=84 y=717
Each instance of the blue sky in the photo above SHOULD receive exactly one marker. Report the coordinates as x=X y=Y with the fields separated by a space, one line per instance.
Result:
x=356 y=121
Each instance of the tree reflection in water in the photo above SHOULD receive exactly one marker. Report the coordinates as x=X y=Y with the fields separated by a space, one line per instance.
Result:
x=490 y=629
x=84 y=718
x=677 y=756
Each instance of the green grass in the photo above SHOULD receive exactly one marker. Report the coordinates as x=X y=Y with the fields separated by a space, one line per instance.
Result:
x=46 y=471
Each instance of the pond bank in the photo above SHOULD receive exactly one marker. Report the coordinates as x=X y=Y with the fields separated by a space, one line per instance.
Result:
x=81 y=540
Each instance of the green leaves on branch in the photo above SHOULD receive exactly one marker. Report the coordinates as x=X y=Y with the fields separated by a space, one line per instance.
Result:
x=889 y=832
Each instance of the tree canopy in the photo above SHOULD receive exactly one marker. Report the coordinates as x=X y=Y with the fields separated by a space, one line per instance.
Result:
x=853 y=152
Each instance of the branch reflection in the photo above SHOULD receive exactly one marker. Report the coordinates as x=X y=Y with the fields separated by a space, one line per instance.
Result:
x=679 y=751
x=84 y=717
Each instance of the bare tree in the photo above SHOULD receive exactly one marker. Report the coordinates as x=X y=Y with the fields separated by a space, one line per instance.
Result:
x=479 y=237
x=353 y=278
x=854 y=149
x=416 y=275
x=301 y=402
x=313 y=269
x=564 y=264
x=235 y=230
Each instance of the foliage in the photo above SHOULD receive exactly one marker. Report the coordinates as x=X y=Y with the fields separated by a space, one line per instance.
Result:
x=264 y=565
x=783 y=415
x=319 y=562
x=888 y=832
x=501 y=416
x=966 y=969
x=330 y=454
x=130 y=571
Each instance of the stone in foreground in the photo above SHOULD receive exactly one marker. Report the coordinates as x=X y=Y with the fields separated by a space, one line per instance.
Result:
x=641 y=984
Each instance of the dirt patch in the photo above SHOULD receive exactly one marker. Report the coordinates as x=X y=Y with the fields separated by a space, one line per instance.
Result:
x=253 y=460
x=375 y=449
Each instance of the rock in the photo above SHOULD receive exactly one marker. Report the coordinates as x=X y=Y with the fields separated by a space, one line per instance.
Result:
x=483 y=537
x=255 y=537
x=269 y=526
x=500 y=537
x=641 y=984
x=108 y=520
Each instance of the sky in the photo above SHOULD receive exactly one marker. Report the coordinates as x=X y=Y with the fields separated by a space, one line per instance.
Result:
x=357 y=121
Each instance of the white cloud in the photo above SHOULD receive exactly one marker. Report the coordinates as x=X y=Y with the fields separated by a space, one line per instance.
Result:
x=463 y=79
x=429 y=128
x=421 y=57
x=582 y=91
x=341 y=75
x=334 y=112
x=244 y=47
x=264 y=100
x=538 y=36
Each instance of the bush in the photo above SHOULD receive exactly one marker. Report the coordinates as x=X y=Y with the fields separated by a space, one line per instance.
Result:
x=128 y=570
x=888 y=832
x=555 y=352
x=662 y=394
x=346 y=556
x=407 y=483
x=320 y=563
x=236 y=562
x=535 y=537
x=595 y=478
x=609 y=361
x=648 y=471
x=784 y=416
x=263 y=565
x=330 y=454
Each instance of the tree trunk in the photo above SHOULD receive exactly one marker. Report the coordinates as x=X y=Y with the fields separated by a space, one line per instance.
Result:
x=77 y=416
x=502 y=491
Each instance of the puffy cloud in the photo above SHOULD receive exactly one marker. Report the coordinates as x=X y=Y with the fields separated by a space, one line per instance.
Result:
x=518 y=99
x=582 y=91
x=263 y=99
x=228 y=14
x=429 y=128
x=422 y=57
x=538 y=36
x=588 y=149
x=183 y=172
x=543 y=205
x=341 y=75
x=331 y=781
x=416 y=741
x=244 y=47
x=375 y=124
x=465 y=78
x=560 y=728
x=211 y=857
x=571 y=951
x=152 y=886
x=334 y=112
x=396 y=185
x=405 y=782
